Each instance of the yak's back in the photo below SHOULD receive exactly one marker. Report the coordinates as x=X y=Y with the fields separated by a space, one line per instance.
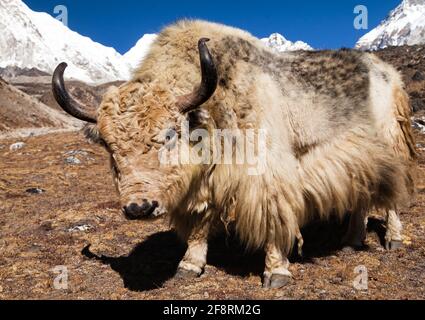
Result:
x=175 y=53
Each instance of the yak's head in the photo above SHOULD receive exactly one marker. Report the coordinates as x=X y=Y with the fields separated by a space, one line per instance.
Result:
x=136 y=123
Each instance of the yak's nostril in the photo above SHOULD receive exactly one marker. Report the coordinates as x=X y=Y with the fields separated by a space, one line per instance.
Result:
x=145 y=206
x=134 y=211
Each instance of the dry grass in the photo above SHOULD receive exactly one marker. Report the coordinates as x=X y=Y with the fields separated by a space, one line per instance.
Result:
x=136 y=260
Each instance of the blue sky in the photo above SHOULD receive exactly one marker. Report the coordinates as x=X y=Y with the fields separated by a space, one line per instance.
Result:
x=322 y=24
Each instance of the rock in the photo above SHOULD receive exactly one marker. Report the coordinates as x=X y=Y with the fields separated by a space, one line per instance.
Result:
x=337 y=280
x=77 y=156
x=419 y=124
x=418 y=76
x=17 y=146
x=34 y=191
x=46 y=226
x=74 y=153
x=73 y=161
x=81 y=228
x=420 y=146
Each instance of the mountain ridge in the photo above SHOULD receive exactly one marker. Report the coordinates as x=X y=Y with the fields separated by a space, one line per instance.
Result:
x=36 y=40
x=405 y=25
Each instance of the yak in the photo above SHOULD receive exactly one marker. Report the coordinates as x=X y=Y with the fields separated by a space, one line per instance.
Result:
x=339 y=140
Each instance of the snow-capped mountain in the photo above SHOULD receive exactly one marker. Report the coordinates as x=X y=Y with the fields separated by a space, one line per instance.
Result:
x=405 y=25
x=31 y=39
x=278 y=43
x=136 y=54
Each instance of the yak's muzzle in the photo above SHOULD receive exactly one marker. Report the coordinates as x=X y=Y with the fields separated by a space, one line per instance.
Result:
x=145 y=210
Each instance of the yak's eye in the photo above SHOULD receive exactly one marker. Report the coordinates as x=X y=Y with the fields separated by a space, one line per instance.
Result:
x=170 y=134
x=170 y=139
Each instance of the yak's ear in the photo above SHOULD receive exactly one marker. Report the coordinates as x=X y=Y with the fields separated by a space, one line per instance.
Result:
x=110 y=102
x=198 y=118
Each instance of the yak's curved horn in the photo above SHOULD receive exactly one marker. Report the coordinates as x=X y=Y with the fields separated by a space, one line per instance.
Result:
x=65 y=101
x=209 y=82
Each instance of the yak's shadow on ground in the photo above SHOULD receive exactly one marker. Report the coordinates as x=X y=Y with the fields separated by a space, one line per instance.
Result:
x=149 y=265
x=155 y=261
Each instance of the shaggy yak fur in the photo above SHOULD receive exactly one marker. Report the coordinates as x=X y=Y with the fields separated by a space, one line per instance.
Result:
x=339 y=140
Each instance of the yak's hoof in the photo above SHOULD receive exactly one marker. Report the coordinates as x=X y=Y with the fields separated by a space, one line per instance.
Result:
x=276 y=281
x=352 y=246
x=186 y=274
x=348 y=249
x=393 y=245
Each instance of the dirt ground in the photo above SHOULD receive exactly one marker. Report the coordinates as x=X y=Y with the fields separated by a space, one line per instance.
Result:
x=76 y=222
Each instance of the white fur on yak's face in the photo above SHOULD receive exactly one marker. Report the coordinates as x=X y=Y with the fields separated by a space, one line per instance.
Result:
x=339 y=137
x=134 y=121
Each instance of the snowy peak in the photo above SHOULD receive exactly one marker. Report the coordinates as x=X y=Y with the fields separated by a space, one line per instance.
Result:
x=405 y=25
x=37 y=40
x=278 y=43
x=136 y=54
x=412 y=3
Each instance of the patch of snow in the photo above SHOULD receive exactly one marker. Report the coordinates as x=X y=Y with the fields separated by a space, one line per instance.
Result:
x=32 y=39
x=37 y=40
x=135 y=55
x=280 y=44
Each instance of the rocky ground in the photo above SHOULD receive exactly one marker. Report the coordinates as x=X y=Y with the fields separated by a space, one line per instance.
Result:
x=59 y=208
x=21 y=113
x=28 y=108
x=410 y=61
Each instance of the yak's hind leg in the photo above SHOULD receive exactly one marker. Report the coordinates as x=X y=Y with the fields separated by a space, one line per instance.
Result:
x=195 y=259
x=356 y=233
x=393 y=238
x=276 y=274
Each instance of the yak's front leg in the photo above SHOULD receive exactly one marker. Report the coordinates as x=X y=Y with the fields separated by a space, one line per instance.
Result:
x=393 y=237
x=276 y=273
x=195 y=259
